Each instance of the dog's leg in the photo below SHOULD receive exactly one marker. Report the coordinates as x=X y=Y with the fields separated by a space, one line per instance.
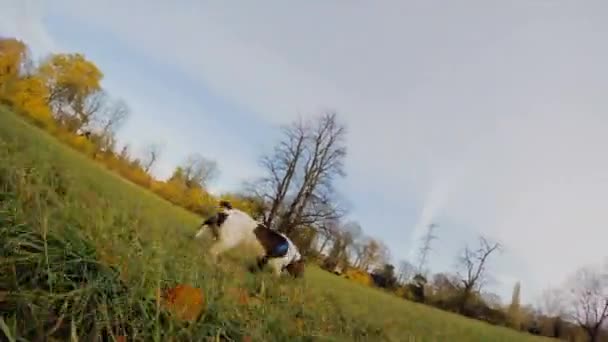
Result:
x=277 y=266
x=200 y=232
x=262 y=261
x=216 y=249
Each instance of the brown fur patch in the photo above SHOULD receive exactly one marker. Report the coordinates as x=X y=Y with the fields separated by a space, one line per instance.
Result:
x=296 y=268
x=269 y=239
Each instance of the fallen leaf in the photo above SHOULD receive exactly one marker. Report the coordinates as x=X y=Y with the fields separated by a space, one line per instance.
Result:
x=184 y=301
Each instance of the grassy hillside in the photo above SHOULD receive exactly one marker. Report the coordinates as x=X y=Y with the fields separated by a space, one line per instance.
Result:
x=84 y=252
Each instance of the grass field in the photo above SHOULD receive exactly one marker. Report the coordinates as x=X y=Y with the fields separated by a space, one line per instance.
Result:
x=64 y=220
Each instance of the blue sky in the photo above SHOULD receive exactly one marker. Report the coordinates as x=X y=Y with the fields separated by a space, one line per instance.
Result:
x=485 y=117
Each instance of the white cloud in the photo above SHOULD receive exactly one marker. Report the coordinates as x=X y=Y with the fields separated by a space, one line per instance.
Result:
x=499 y=109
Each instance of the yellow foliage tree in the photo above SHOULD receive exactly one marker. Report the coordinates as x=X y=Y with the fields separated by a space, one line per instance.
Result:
x=13 y=56
x=71 y=79
x=29 y=95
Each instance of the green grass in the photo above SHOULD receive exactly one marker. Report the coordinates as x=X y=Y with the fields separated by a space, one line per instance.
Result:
x=59 y=212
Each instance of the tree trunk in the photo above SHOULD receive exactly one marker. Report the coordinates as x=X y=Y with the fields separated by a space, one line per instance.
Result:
x=593 y=334
x=324 y=244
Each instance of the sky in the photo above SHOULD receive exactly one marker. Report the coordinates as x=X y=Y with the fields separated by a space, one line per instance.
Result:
x=486 y=117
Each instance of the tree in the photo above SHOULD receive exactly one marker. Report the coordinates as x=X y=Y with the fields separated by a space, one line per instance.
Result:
x=406 y=271
x=151 y=154
x=29 y=94
x=474 y=264
x=281 y=167
x=323 y=161
x=355 y=233
x=198 y=171
x=125 y=153
x=298 y=186
x=514 y=312
x=13 y=57
x=589 y=300
x=100 y=119
x=425 y=248
x=328 y=230
x=552 y=301
x=71 y=80
x=343 y=237
x=385 y=276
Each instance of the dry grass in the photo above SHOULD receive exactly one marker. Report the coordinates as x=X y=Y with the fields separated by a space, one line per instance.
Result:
x=84 y=253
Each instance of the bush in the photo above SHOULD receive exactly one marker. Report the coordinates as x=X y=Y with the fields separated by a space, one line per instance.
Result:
x=358 y=276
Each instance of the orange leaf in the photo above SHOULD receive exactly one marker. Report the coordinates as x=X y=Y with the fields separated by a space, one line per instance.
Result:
x=184 y=301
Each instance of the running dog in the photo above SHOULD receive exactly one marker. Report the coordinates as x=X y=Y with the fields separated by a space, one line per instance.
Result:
x=231 y=227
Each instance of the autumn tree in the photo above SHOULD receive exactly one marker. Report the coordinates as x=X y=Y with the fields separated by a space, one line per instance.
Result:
x=71 y=80
x=514 y=311
x=198 y=171
x=29 y=95
x=474 y=264
x=298 y=186
x=589 y=300
x=13 y=57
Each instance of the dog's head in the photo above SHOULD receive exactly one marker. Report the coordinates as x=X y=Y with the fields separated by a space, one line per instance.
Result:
x=296 y=268
x=215 y=222
x=224 y=204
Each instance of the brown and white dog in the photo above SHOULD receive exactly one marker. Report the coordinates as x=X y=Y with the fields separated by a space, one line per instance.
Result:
x=231 y=227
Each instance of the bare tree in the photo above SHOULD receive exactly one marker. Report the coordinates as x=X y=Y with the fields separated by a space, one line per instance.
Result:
x=113 y=116
x=369 y=253
x=150 y=156
x=199 y=171
x=323 y=161
x=341 y=240
x=298 y=186
x=474 y=263
x=94 y=106
x=551 y=302
x=425 y=248
x=589 y=300
x=282 y=167
x=328 y=230
x=384 y=255
x=406 y=271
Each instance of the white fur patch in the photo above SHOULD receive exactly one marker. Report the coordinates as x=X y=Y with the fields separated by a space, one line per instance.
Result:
x=238 y=229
